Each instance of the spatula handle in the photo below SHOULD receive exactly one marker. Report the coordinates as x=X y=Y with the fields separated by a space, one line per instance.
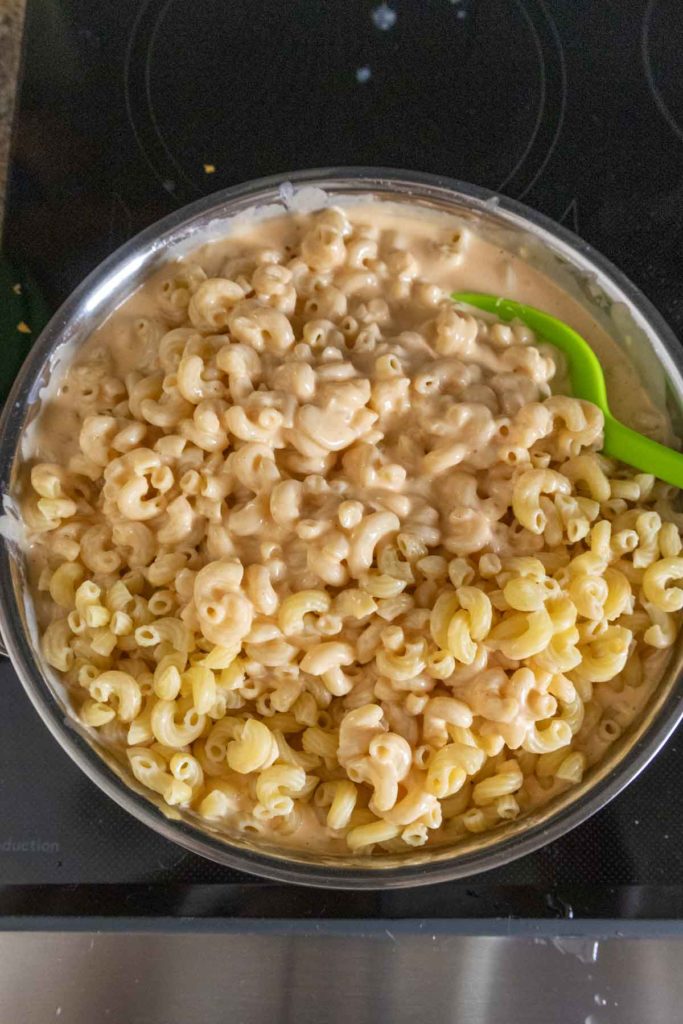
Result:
x=642 y=452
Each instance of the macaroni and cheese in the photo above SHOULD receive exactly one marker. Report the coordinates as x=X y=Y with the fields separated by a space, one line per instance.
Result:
x=329 y=558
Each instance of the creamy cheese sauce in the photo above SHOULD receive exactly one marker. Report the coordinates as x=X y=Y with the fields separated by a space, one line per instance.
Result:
x=473 y=265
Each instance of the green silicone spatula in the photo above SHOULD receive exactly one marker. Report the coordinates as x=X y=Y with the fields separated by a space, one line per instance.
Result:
x=588 y=382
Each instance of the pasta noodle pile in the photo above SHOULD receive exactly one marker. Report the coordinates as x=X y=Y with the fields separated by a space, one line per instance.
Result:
x=334 y=564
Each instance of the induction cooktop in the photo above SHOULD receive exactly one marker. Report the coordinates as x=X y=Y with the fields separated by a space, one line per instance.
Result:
x=129 y=110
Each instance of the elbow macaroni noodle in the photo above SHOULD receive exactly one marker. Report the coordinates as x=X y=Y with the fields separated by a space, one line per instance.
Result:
x=332 y=563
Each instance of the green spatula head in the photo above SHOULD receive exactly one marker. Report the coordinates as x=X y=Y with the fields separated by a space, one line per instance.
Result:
x=588 y=382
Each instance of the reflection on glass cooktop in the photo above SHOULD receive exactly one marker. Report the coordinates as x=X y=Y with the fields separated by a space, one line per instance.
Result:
x=132 y=109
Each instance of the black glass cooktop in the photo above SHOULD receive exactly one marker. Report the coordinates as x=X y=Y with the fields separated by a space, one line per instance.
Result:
x=130 y=109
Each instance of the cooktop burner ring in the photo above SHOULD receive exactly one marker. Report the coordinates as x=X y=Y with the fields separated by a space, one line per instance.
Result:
x=652 y=65
x=533 y=66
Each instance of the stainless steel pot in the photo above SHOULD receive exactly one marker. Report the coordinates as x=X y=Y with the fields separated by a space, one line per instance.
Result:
x=594 y=282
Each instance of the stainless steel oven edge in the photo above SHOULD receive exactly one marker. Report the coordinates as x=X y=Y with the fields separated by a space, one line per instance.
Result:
x=276 y=972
